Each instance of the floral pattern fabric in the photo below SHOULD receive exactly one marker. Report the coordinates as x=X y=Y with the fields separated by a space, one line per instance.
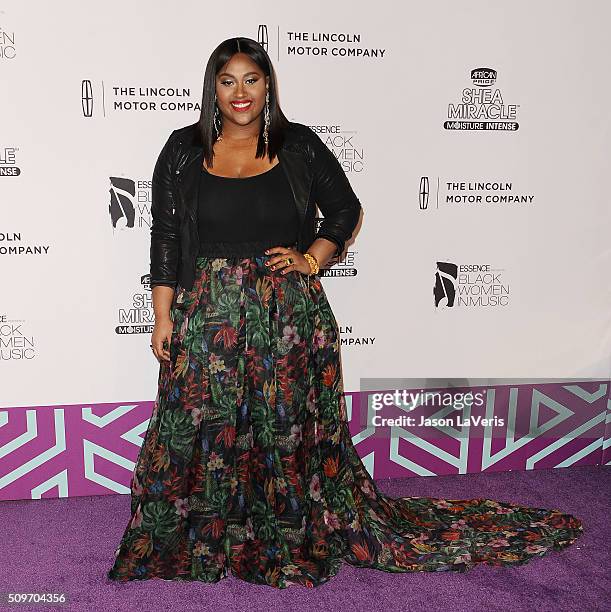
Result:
x=248 y=467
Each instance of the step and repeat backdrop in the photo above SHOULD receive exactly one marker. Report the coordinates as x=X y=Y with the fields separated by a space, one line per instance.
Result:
x=478 y=142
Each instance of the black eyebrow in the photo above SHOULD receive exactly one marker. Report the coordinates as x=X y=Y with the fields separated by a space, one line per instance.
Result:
x=231 y=75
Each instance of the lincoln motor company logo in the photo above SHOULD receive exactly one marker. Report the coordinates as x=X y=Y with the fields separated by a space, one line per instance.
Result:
x=13 y=244
x=469 y=193
x=87 y=98
x=263 y=37
x=319 y=44
x=135 y=98
x=424 y=192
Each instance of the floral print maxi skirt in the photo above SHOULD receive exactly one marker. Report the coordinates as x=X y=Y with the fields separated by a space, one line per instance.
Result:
x=248 y=468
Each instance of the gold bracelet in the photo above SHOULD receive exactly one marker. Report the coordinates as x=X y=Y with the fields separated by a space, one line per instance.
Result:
x=314 y=267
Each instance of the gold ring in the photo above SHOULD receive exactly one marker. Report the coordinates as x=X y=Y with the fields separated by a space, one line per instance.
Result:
x=289 y=261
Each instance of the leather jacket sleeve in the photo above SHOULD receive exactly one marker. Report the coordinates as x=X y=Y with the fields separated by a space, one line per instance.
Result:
x=334 y=196
x=165 y=226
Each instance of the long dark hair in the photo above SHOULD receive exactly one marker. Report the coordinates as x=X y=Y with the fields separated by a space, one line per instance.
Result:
x=278 y=121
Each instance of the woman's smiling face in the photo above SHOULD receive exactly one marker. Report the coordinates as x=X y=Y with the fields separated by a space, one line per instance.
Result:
x=240 y=90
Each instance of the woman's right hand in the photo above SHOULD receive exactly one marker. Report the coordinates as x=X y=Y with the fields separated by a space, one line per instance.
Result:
x=161 y=338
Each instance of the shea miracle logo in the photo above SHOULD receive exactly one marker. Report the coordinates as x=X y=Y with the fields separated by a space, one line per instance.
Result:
x=137 y=316
x=482 y=106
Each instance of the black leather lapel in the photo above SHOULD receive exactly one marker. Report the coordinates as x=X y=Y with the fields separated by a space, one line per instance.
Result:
x=298 y=174
x=189 y=178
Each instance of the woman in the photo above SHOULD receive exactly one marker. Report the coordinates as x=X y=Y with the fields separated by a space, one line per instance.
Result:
x=248 y=466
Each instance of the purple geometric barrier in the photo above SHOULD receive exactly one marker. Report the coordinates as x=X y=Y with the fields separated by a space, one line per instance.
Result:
x=62 y=451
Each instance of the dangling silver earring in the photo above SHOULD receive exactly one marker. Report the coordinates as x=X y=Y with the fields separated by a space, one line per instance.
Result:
x=217 y=120
x=266 y=118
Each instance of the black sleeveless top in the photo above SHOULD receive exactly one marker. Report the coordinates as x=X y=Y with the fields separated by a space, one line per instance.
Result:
x=245 y=216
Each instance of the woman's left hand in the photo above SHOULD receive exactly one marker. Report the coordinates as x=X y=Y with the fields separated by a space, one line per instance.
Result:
x=278 y=262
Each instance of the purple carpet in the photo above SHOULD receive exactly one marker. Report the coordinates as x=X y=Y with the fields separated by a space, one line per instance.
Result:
x=67 y=545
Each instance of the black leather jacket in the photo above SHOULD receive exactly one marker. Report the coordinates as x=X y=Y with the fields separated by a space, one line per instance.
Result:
x=315 y=176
